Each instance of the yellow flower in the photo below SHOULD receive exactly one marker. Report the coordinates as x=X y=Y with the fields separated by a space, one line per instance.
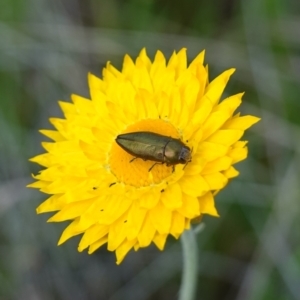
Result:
x=116 y=201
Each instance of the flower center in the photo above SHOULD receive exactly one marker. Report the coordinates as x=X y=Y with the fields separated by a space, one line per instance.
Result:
x=138 y=172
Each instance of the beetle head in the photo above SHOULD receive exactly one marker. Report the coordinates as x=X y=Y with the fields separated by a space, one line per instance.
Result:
x=185 y=155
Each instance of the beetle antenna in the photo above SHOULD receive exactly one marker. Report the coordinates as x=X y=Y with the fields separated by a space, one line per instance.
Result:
x=186 y=164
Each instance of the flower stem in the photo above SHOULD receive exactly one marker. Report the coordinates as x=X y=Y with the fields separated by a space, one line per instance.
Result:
x=190 y=266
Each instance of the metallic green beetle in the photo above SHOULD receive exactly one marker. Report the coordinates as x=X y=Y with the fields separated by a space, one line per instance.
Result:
x=152 y=146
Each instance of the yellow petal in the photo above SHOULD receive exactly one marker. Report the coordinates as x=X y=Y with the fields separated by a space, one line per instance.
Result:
x=226 y=137
x=238 y=154
x=207 y=205
x=216 y=181
x=115 y=72
x=82 y=105
x=182 y=60
x=123 y=250
x=189 y=93
x=97 y=245
x=172 y=196
x=141 y=98
x=231 y=172
x=177 y=225
x=38 y=184
x=93 y=152
x=97 y=87
x=92 y=235
x=164 y=105
x=52 y=134
x=201 y=113
x=59 y=124
x=187 y=224
x=67 y=108
x=117 y=234
x=160 y=241
x=160 y=77
x=150 y=200
x=72 y=230
x=217 y=86
x=211 y=151
x=44 y=159
x=135 y=219
x=219 y=164
x=214 y=122
x=128 y=66
x=177 y=61
x=141 y=78
x=53 y=203
x=230 y=104
x=146 y=233
x=190 y=207
x=199 y=59
x=72 y=210
x=136 y=247
x=116 y=205
x=194 y=186
x=196 y=166
x=144 y=58
x=202 y=76
x=161 y=218
x=241 y=123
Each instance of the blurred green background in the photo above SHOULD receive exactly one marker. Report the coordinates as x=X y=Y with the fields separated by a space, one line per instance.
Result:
x=46 y=50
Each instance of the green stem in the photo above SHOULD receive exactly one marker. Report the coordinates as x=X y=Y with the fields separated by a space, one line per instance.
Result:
x=190 y=266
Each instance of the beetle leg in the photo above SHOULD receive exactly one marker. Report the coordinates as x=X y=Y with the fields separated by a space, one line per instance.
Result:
x=173 y=167
x=157 y=163
x=137 y=158
x=133 y=159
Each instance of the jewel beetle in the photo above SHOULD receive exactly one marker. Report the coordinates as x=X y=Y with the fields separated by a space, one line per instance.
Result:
x=156 y=147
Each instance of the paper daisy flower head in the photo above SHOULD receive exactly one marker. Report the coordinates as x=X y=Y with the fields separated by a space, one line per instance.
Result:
x=144 y=156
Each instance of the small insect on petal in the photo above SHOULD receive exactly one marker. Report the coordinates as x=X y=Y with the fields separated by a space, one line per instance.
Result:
x=156 y=147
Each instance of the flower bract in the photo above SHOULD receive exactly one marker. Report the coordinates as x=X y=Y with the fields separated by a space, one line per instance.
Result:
x=110 y=197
